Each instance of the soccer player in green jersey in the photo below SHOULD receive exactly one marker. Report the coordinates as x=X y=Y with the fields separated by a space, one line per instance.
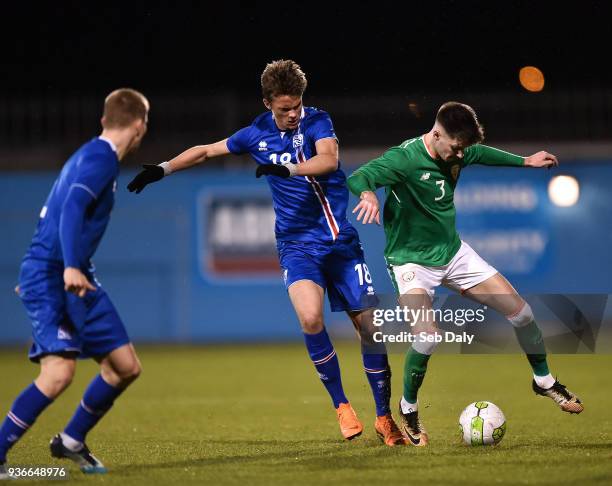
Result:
x=423 y=249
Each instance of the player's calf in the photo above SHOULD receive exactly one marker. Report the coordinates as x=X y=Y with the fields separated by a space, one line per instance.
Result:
x=26 y=408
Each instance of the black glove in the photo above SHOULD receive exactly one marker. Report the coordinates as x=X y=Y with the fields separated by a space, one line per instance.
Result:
x=150 y=173
x=272 y=169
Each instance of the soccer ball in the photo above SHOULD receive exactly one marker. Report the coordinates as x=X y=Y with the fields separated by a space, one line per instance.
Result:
x=482 y=423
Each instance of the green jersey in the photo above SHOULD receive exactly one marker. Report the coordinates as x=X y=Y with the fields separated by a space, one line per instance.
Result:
x=419 y=212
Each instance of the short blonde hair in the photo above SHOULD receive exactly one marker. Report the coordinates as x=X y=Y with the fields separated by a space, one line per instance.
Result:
x=123 y=106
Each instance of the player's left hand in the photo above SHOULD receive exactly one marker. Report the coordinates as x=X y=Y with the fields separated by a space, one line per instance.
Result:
x=368 y=207
x=272 y=169
x=149 y=173
x=541 y=159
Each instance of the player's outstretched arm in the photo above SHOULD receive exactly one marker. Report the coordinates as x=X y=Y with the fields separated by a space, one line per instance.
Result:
x=324 y=162
x=195 y=155
x=485 y=155
x=541 y=159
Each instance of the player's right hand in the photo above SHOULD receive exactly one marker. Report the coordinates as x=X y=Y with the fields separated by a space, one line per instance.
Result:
x=149 y=173
x=76 y=282
x=541 y=159
x=273 y=169
x=368 y=207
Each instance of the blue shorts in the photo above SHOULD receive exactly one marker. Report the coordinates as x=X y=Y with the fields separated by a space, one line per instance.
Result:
x=65 y=323
x=339 y=268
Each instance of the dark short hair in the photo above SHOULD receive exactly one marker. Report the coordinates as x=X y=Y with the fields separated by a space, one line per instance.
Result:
x=460 y=122
x=283 y=77
x=123 y=106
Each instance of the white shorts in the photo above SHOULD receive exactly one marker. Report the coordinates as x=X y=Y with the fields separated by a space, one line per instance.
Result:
x=463 y=272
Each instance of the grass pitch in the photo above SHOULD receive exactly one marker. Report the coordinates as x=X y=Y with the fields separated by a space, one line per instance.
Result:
x=258 y=415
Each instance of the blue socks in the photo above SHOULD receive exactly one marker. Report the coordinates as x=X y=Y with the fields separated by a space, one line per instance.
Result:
x=379 y=375
x=26 y=408
x=97 y=400
x=376 y=366
x=324 y=358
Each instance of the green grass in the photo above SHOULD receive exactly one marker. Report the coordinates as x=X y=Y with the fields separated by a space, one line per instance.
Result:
x=258 y=415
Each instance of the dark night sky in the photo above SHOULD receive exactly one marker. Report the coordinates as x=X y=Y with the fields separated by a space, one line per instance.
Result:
x=380 y=47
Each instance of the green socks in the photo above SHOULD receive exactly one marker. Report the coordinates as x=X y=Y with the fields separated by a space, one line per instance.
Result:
x=415 y=367
x=530 y=339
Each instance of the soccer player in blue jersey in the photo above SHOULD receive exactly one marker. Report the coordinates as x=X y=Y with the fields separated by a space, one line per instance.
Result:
x=72 y=316
x=319 y=250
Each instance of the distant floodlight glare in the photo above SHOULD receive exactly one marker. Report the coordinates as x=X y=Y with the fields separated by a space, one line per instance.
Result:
x=564 y=190
x=531 y=78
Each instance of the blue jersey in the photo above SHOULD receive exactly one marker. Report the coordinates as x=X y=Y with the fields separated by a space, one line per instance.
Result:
x=77 y=210
x=307 y=208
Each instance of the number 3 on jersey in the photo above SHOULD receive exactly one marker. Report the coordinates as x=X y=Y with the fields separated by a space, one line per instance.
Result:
x=363 y=273
x=441 y=184
x=284 y=158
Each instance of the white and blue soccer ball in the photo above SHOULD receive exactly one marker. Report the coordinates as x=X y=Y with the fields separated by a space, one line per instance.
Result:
x=482 y=423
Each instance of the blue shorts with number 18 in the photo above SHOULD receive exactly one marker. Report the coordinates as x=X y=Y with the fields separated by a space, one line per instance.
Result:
x=339 y=268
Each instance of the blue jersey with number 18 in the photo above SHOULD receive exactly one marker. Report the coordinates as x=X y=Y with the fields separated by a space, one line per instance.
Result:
x=307 y=208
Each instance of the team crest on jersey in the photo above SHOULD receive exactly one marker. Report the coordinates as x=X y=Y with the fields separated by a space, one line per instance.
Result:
x=408 y=276
x=298 y=140
x=425 y=176
x=455 y=171
x=263 y=146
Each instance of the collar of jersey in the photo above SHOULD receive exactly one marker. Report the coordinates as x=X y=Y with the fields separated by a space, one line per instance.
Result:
x=427 y=148
x=110 y=142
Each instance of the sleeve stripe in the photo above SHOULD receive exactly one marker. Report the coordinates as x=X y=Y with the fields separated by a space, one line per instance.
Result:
x=328 y=136
x=502 y=151
x=84 y=187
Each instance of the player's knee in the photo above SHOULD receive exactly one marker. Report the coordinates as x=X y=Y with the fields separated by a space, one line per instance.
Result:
x=522 y=317
x=61 y=382
x=425 y=343
x=134 y=372
x=53 y=381
x=312 y=327
x=311 y=323
x=128 y=374
x=121 y=375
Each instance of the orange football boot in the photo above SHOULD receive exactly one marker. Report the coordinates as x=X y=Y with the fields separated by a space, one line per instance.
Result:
x=388 y=432
x=350 y=426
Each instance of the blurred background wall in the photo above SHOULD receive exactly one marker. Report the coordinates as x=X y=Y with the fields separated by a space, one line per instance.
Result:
x=193 y=258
